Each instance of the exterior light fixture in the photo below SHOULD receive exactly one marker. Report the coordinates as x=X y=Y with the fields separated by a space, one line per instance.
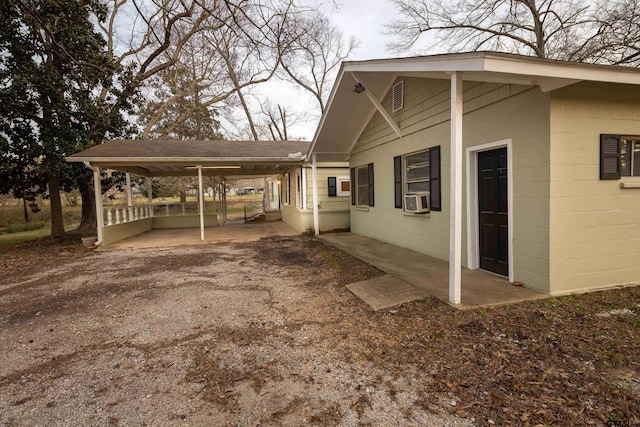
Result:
x=359 y=88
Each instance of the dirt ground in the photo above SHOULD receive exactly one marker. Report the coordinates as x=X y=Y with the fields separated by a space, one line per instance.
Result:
x=265 y=334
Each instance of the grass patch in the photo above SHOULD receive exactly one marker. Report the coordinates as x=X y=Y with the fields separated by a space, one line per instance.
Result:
x=20 y=228
x=9 y=240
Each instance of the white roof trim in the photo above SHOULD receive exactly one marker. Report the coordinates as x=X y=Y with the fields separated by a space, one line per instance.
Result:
x=500 y=63
x=144 y=160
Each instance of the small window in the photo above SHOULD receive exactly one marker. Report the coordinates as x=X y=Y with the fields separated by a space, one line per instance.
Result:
x=630 y=156
x=344 y=186
x=415 y=173
x=339 y=186
x=619 y=156
x=363 y=194
x=398 y=96
x=362 y=177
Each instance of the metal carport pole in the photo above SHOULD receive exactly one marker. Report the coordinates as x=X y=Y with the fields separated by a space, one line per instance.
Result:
x=201 y=202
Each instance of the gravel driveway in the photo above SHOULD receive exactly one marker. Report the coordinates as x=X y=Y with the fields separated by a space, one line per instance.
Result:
x=242 y=334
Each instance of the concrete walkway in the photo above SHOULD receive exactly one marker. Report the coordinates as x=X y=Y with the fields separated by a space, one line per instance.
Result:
x=431 y=275
x=191 y=236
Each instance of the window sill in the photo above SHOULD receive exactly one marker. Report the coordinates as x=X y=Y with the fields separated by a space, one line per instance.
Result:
x=417 y=215
x=362 y=208
x=630 y=182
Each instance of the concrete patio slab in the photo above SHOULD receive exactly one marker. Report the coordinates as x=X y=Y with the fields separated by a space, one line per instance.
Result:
x=191 y=236
x=385 y=291
x=431 y=275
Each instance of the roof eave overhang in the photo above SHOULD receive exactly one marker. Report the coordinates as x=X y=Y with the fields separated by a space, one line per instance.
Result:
x=493 y=67
x=185 y=160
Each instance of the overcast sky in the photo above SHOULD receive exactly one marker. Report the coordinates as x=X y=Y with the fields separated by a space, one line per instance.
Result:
x=363 y=19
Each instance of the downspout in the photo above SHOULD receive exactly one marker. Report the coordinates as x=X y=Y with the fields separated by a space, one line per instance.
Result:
x=314 y=178
x=97 y=188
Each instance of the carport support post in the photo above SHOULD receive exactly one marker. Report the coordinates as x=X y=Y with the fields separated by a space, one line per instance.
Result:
x=149 y=195
x=201 y=202
x=314 y=178
x=129 y=196
x=455 y=224
x=97 y=188
x=224 y=200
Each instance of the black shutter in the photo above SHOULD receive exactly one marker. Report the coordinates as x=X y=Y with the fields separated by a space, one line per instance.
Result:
x=370 y=173
x=610 y=157
x=397 y=181
x=354 y=188
x=434 y=172
x=333 y=186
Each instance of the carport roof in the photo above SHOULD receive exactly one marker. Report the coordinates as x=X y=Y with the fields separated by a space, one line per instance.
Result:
x=179 y=158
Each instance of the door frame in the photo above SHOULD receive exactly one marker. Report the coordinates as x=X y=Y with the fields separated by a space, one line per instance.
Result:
x=473 y=220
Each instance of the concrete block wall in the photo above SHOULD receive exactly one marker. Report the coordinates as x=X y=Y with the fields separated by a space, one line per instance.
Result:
x=595 y=225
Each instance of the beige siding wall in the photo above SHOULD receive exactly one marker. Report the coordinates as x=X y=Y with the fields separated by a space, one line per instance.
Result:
x=333 y=212
x=327 y=203
x=492 y=113
x=117 y=232
x=595 y=225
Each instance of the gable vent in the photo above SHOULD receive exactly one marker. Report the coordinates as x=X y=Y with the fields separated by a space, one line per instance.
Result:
x=398 y=96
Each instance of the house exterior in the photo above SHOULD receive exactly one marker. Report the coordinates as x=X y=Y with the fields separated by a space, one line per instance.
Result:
x=531 y=167
x=333 y=197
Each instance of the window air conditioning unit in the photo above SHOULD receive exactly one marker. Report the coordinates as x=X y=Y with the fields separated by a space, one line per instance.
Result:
x=417 y=203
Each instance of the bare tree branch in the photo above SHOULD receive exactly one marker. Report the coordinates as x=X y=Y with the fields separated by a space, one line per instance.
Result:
x=590 y=31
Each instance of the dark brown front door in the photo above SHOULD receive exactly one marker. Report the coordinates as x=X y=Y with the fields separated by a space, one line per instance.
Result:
x=494 y=217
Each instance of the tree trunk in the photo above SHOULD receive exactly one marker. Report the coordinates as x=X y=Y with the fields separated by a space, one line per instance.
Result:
x=26 y=212
x=245 y=107
x=88 y=197
x=57 y=224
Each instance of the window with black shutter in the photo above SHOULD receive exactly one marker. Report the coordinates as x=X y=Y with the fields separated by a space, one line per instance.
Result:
x=371 y=195
x=332 y=183
x=363 y=189
x=419 y=172
x=609 y=157
x=397 y=181
x=353 y=192
x=434 y=179
x=619 y=156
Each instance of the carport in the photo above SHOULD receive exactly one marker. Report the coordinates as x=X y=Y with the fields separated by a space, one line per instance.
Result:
x=173 y=158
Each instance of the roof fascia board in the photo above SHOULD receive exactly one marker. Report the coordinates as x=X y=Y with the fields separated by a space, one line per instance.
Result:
x=571 y=71
x=216 y=172
x=125 y=161
x=433 y=64
x=500 y=63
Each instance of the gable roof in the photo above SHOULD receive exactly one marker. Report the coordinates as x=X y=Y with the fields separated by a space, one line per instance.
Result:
x=348 y=113
x=176 y=157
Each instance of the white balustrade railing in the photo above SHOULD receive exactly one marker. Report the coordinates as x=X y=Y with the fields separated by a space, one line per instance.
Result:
x=122 y=214
x=114 y=215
